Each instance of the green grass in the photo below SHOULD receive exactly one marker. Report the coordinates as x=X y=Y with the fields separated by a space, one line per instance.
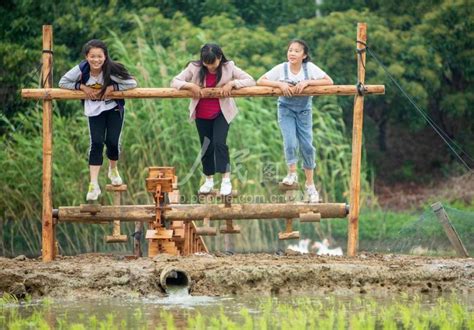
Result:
x=388 y=231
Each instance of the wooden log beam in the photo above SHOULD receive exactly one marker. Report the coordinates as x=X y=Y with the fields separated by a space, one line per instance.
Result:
x=190 y=212
x=146 y=93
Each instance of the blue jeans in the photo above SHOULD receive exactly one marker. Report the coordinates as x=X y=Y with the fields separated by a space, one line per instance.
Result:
x=295 y=118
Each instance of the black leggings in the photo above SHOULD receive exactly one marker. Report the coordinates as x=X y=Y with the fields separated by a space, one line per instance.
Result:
x=214 y=151
x=105 y=128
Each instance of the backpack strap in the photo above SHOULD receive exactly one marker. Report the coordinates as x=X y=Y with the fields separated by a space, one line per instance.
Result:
x=85 y=72
x=285 y=70
x=305 y=70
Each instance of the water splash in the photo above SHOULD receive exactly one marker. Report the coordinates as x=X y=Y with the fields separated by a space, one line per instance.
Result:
x=179 y=296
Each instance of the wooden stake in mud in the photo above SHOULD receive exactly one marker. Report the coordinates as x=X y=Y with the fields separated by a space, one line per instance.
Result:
x=116 y=236
x=290 y=197
x=353 y=223
x=206 y=229
x=48 y=247
x=449 y=229
x=137 y=235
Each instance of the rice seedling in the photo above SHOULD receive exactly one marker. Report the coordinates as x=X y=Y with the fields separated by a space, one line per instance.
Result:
x=399 y=312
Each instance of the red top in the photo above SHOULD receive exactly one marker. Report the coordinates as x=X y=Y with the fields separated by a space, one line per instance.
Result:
x=209 y=108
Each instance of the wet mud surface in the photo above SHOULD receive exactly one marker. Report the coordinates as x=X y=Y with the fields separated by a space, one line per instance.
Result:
x=93 y=275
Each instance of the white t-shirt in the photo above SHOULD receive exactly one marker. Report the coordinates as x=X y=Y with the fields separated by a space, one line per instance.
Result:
x=278 y=73
x=96 y=107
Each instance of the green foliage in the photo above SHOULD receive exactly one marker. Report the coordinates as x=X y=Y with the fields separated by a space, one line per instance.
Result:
x=254 y=12
x=449 y=31
x=8 y=299
x=408 y=232
x=425 y=45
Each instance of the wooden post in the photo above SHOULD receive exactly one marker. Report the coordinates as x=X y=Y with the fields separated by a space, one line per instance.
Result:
x=289 y=199
x=353 y=223
x=450 y=230
x=116 y=236
x=47 y=213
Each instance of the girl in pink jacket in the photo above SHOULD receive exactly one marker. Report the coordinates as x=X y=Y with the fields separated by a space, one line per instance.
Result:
x=213 y=115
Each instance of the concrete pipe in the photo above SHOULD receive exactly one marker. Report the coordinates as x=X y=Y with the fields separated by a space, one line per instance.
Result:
x=175 y=280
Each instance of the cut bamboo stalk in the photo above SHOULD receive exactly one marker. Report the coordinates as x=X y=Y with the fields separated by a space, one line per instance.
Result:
x=146 y=93
x=353 y=223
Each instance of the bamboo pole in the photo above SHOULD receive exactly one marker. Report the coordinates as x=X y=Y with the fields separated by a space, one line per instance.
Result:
x=190 y=212
x=353 y=223
x=144 y=93
x=48 y=248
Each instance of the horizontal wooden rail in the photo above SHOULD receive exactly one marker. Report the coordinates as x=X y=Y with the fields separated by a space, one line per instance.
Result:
x=190 y=212
x=147 y=93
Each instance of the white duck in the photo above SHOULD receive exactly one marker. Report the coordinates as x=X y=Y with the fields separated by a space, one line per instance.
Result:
x=323 y=249
x=302 y=246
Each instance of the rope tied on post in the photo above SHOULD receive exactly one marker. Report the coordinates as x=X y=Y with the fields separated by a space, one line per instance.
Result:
x=361 y=89
x=359 y=51
x=44 y=79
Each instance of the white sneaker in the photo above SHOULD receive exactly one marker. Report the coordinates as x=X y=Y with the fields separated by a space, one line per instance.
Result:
x=207 y=187
x=313 y=195
x=94 y=192
x=114 y=176
x=290 y=179
x=226 y=187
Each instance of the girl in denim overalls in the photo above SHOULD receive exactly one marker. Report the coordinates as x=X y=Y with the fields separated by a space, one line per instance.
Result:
x=295 y=112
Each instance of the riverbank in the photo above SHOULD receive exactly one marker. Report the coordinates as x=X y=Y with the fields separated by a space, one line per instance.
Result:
x=93 y=275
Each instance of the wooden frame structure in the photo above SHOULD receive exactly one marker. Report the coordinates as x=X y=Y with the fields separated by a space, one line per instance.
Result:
x=47 y=94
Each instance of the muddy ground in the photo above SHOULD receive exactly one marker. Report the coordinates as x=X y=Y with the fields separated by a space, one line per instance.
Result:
x=91 y=276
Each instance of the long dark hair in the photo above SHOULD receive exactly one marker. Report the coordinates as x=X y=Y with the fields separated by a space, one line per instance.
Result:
x=109 y=67
x=209 y=54
x=305 y=48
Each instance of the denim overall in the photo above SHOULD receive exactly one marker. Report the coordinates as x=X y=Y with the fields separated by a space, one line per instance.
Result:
x=295 y=118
